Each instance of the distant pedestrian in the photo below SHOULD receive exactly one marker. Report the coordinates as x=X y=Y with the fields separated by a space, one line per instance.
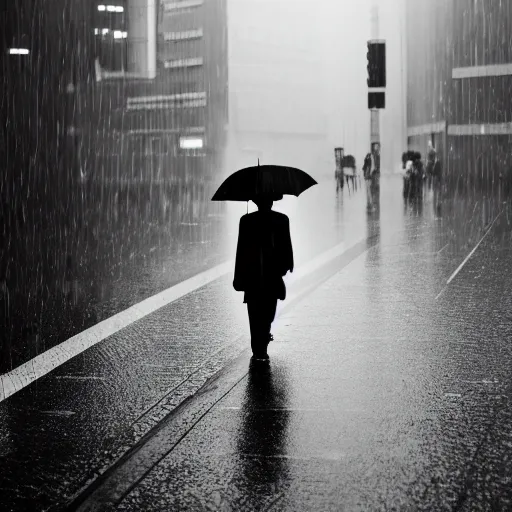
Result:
x=437 y=173
x=367 y=166
x=339 y=155
x=431 y=153
x=371 y=168
x=375 y=159
x=264 y=255
x=431 y=160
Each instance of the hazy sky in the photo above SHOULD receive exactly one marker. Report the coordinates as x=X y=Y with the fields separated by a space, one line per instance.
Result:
x=298 y=72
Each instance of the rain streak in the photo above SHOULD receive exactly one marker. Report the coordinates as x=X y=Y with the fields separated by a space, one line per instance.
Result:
x=255 y=255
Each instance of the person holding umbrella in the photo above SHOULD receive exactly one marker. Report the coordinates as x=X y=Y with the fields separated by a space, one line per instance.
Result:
x=264 y=252
x=264 y=255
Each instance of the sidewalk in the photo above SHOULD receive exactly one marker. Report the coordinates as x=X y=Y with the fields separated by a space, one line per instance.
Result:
x=59 y=433
x=377 y=397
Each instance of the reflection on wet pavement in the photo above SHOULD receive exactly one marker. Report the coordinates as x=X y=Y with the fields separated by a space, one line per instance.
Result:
x=91 y=410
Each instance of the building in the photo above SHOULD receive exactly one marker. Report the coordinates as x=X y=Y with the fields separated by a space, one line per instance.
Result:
x=459 y=77
x=44 y=72
x=197 y=88
x=153 y=90
x=38 y=62
x=161 y=94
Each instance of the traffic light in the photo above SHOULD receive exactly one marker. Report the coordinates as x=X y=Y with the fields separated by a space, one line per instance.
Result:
x=376 y=64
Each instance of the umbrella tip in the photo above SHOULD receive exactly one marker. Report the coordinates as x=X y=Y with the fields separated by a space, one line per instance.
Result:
x=258 y=162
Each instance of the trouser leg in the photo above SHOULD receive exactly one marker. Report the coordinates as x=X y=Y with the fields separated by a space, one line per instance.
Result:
x=272 y=306
x=261 y=313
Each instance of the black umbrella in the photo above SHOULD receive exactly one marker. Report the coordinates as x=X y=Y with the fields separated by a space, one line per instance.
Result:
x=263 y=180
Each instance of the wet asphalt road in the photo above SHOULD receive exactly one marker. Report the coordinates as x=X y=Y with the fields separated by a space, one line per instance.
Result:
x=60 y=431
x=99 y=256
x=111 y=252
x=381 y=394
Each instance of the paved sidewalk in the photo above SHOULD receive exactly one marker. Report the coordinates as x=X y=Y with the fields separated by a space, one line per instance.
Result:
x=378 y=396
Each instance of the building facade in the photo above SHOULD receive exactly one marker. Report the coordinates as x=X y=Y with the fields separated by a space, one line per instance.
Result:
x=161 y=94
x=459 y=77
x=197 y=88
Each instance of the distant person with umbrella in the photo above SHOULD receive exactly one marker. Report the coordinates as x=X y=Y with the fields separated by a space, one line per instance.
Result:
x=264 y=251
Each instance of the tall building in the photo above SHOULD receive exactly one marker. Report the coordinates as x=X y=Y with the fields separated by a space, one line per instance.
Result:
x=459 y=77
x=161 y=95
x=196 y=88
x=39 y=56
x=155 y=89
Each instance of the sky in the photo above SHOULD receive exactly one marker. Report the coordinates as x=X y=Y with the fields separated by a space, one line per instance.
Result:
x=297 y=82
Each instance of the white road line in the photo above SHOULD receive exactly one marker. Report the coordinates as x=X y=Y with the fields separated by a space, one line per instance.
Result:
x=442 y=248
x=480 y=381
x=23 y=375
x=459 y=268
x=440 y=293
x=80 y=377
x=59 y=413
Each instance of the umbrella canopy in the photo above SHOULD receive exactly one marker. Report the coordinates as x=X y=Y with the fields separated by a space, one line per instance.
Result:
x=272 y=181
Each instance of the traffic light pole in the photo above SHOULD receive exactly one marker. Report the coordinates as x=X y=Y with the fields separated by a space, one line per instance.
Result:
x=374 y=112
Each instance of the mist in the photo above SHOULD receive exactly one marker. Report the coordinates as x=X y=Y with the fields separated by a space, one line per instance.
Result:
x=297 y=83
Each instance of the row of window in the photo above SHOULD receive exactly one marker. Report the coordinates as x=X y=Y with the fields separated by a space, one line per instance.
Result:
x=183 y=35
x=113 y=47
x=180 y=5
x=111 y=35
x=110 y=8
x=151 y=145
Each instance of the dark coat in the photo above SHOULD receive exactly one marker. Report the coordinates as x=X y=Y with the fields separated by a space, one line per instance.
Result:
x=264 y=254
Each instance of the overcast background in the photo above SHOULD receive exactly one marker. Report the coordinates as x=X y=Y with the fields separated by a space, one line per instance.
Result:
x=297 y=82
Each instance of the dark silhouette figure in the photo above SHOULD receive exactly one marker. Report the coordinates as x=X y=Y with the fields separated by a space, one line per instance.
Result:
x=414 y=175
x=264 y=255
x=367 y=166
x=371 y=172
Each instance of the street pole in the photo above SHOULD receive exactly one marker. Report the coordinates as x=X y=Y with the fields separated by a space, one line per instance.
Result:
x=374 y=112
x=372 y=187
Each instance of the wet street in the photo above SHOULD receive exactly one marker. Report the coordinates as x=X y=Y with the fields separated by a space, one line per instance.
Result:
x=117 y=249
x=388 y=386
x=133 y=377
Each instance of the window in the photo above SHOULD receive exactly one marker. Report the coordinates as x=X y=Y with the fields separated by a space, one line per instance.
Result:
x=179 y=5
x=110 y=31
x=183 y=63
x=184 y=35
x=167 y=101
